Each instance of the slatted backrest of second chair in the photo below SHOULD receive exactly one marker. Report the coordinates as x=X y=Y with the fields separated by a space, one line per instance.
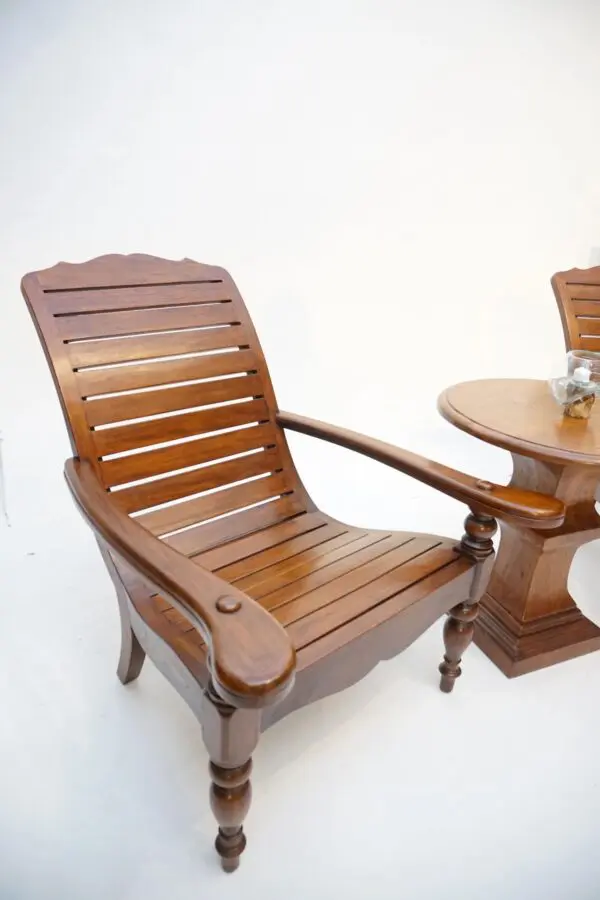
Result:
x=166 y=392
x=577 y=293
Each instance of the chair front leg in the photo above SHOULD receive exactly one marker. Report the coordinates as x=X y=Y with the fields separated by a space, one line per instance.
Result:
x=459 y=626
x=230 y=735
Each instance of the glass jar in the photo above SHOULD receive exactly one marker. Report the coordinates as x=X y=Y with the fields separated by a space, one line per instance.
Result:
x=576 y=392
x=584 y=365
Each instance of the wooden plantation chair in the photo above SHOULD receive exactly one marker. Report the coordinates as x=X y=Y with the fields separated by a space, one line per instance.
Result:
x=248 y=598
x=577 y=293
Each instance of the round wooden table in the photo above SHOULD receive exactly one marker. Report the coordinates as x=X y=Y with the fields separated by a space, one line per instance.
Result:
x=528 y=619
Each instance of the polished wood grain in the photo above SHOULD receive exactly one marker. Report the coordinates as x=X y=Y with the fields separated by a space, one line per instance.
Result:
x=521 y=415
x=109 y=410
x=165 y=460
x=528 y=618
x=459 y=627
x=165 y=371
x=577 y=293
x=251 y=665
x=498 y=500
x=137 y=435
x=248 y=598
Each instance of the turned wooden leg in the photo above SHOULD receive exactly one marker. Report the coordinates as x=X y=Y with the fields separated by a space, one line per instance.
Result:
x=230 y=796
x=458 y=634
x=231 y=736
x=459 y=628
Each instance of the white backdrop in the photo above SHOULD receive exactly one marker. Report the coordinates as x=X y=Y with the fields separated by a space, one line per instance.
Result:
x=391 y=183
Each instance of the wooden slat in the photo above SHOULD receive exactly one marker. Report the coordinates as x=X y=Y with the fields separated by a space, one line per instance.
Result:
x=354 y=578
x=101 y=353
x=178 y=620
x=330 y=615
x=248 y=546
x=171 y=428
x=381 y=614
x=164 y=295
x=174 y=487
x=585 y=291
x=161 y=603
x=152 y=403
x=180 y=456
x=193 y=640
x=586 y=307
x=168 y=371
x=142 y=321
x=284 y=572
x=257 y=567
x=194 y=511
x=311 y=576
x=588 y=326
x=591 y=343
x=212 y=535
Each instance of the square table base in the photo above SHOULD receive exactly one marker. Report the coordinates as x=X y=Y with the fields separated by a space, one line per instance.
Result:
x=516 y=651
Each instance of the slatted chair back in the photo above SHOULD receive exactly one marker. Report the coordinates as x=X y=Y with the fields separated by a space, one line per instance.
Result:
x=166 y=392
x=577 y=293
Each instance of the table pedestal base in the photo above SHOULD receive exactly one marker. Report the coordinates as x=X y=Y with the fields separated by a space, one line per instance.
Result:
x=516 y=651
x=528 y=618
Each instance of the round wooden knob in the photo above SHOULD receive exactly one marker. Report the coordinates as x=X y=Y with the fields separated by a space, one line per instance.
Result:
x=228 y=605
x=484 y=485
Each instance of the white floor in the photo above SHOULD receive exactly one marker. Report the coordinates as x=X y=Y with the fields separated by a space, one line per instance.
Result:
x=390 y=789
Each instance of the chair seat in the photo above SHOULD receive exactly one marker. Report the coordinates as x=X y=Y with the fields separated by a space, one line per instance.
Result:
x=326 y=582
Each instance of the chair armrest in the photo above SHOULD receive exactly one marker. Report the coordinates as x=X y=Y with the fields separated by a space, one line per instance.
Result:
x=251 y=658
x=527 y=507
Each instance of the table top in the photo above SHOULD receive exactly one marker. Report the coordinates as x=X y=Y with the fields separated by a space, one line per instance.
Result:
x=522 y=416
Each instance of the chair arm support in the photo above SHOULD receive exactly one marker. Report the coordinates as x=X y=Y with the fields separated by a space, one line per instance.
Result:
x=251 y=658
x=526 y=507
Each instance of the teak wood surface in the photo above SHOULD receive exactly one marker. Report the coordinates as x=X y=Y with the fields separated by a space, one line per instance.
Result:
x=528 y=618
x=577 y=294
x=251 y=600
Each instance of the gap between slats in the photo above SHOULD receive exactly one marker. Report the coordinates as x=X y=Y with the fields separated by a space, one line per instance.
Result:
x=254 y=568
x=134 y=392
x=583 y=291
x=586 y=307
x=154 y=478
x=315 y=575
x=166 y=522
x=236 y=523
x=284 y=572
x=166 y=401
x=321 y=620
x=168 y=371
x=380 y=615
x=238 y=550
x=154 y=346
x=195 y=483
x=195 y=451
x=145 y=320
x=351 y=580
x=170 y=413
x=121 y=438
x=84 y=289
x=589 y=327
